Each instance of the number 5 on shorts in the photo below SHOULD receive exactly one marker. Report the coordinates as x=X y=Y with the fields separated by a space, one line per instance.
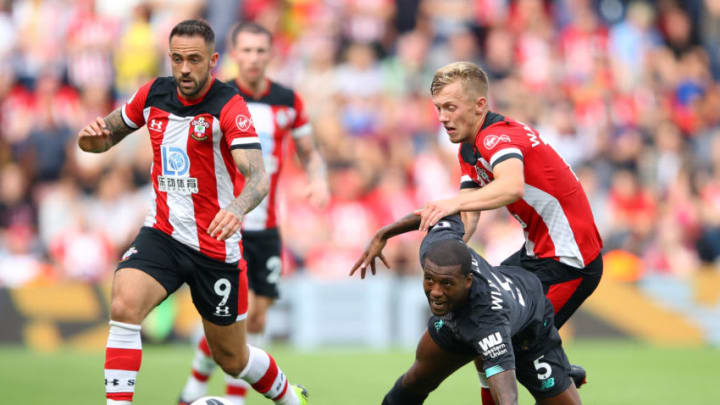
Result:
x=541 y=365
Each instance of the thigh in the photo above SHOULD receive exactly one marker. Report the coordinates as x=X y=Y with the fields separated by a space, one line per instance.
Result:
x=432 y=365
x=544 y=368
x=568 y=397
x=262 y=250
x=134 y=295
x=219 y=290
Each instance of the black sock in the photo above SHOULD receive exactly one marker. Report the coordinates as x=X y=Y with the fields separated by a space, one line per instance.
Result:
x=400 y=395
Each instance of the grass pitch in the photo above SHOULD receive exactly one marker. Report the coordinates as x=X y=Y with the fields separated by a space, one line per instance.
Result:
x=619 y=373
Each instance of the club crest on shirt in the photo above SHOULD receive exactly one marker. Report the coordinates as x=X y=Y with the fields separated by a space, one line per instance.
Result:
x=199 y=129
x=491 y=141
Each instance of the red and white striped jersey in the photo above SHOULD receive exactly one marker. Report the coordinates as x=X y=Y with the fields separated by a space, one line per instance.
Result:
x=193 y=173
x=277 y=113
x=554 y=212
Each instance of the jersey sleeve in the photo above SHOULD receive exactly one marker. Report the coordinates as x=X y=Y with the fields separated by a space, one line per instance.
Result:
x=301 y=126
x=237 y=126
x=133 y=110
x=466 y=173
x=490 y=335
x=449 y=227
x=501 y=142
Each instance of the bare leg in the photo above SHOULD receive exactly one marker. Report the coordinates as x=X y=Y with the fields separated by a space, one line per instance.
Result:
x=568 y=397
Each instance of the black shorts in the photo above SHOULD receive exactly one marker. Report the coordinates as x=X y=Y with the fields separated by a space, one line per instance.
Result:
x=218 y=289
x=565 y=286
x=262 y=250
x=541 y=365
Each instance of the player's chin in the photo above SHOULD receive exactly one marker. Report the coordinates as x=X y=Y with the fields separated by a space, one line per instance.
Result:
x=438 y=310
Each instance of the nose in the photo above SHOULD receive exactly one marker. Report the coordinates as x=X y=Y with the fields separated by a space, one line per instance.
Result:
x=443 y=116
x=436 y=291
x=185 y=68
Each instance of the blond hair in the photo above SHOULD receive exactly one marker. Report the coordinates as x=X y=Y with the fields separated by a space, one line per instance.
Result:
x=473 y=78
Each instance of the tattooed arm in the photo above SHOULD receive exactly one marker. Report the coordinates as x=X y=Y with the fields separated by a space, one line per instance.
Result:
x=101 y=134
x=228 y=219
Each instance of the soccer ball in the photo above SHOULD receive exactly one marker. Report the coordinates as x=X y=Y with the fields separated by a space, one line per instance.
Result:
x=212 y=401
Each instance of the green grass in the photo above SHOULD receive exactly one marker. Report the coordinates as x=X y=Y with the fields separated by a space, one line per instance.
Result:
x=619 y=373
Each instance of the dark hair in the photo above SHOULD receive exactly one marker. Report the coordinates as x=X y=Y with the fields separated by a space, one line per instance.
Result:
x=248 y=26
x=450 y=252
x=191 y=28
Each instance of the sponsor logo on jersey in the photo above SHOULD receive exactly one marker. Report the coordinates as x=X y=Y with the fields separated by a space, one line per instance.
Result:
x=175 y=167
x=128 y=253
x=492 y=345
x=492 y=140
x=243 y=123
x=199 y=129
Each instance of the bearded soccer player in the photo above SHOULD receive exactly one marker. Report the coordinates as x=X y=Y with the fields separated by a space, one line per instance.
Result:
x=277 y=114
x=207 y=174
x=505 y=163
x=497 y=316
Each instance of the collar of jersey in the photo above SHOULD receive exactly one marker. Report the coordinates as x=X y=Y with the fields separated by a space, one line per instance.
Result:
x=250 y=94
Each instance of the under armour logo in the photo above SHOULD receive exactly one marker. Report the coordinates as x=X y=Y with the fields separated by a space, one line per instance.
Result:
x=222 y=311
x=115 y=382
x=155 y=125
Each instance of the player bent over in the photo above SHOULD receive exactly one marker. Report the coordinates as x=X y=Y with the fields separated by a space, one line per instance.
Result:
x=278 y=114
x=498 y=315
x=207 y=173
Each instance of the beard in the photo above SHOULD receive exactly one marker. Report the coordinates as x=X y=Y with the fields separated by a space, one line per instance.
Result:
x=194 y=91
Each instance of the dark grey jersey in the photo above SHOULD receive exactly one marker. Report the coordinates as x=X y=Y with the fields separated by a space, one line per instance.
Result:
x=505 y=308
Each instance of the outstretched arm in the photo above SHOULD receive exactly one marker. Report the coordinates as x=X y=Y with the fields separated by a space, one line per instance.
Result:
x=101 y=134
x=408 y=223
x=314 y=165
x=504 y=388
x=228 y=220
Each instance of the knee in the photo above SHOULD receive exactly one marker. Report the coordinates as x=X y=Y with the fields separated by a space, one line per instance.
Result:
x=417 y=383
x=125 y=310
x=231 y=362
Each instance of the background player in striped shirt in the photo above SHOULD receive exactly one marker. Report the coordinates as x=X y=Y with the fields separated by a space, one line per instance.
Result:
x=207 y=173
x=277 y=113
x=506 y=163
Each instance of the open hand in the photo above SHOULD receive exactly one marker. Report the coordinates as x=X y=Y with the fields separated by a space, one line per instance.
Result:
x=434 y=211
x=373 y=250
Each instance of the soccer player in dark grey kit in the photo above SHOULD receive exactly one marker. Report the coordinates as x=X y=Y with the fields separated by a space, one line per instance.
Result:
x=496 y=314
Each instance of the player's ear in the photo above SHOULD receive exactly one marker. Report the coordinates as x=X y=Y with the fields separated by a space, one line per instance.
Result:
x=214 y=59
x=480 y=105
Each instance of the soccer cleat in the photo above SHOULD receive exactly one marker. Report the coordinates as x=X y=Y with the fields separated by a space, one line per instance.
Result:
x=301 y=392
x=578 y=375
x=182 y=402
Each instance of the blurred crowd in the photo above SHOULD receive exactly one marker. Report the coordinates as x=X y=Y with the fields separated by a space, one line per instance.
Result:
x=627 y=92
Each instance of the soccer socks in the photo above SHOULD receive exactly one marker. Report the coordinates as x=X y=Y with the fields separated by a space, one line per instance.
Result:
x=123 y=355
x=400 y=395
x=202 y=367
x=266 y=378
x=236 y=389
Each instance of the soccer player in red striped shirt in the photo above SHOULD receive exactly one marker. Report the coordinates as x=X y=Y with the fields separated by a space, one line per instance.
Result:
x=207 y=174
x=278 y=113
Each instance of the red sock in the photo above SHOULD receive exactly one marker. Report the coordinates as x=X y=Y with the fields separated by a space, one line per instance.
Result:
x=487 y=398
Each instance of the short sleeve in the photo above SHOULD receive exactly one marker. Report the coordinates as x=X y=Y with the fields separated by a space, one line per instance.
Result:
x=489 y=334
x=466 y=173
x=301 y=126
x=237 y=126
x=133 y=110
x=499 y=143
